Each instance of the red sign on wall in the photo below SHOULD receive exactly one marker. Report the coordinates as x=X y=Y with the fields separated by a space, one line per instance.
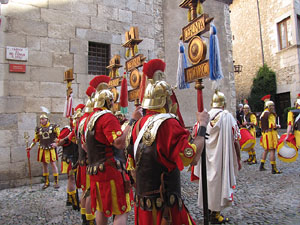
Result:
x=17 y=68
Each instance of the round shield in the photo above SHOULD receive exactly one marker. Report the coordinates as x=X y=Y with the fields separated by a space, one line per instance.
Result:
x=115 y=93
x=135 y=78
x=196 y=50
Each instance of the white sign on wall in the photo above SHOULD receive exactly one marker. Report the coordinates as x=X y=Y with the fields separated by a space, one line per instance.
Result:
x=16 y=53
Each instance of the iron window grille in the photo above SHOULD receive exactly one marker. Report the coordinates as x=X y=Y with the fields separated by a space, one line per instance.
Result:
x=98 y=58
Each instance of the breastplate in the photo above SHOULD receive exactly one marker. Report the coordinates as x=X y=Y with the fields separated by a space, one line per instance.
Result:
x=46 y=136
x=297 y=123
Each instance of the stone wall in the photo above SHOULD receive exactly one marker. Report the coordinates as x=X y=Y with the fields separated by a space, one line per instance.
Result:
x=174 y=19
x=247 y=45
x=56 y=33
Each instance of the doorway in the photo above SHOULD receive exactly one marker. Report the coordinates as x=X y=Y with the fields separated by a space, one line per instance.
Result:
x=283 y=101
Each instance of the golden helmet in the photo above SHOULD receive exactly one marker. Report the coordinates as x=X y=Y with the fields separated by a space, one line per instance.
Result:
x=218 y=100
x=44 y=116
x=103 y=97
x=78 y=111
x=158 y=91
x=89 y=105
x=246 y=106
x=269 y=103
x=157 y=94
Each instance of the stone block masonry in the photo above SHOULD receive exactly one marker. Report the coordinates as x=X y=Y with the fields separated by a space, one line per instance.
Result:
x=57 y=33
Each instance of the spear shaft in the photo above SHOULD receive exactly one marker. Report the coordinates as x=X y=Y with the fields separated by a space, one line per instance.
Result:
x=26 y=137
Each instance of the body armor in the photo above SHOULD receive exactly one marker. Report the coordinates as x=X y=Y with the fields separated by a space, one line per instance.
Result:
x=46 y=135
x=265 y=121
x=99 y=153
x=296 y=123
x=246 y=118
x=155 y=185
x=70 y=153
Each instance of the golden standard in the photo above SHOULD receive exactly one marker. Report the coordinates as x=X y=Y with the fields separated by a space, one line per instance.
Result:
x=193 y=28
x=197 y=72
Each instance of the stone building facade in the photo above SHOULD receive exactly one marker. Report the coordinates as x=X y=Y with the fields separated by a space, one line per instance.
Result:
x=280 y=24
x=56 y=34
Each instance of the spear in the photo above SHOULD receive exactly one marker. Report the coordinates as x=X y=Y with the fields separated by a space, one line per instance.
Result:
x=26 y=137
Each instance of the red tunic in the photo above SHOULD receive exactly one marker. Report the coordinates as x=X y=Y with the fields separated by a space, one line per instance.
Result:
x=171 y=141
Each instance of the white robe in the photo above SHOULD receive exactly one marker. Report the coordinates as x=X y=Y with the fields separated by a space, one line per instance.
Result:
x=221 y=161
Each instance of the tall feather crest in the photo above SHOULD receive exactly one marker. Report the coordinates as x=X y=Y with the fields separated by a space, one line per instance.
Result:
x=79 y=106
x=90 y=90
x=266 y=98
x=98 y=80
x=152 y=66
x=45 y=110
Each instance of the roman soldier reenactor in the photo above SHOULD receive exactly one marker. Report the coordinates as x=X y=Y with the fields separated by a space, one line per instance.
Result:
x=223 y=160
x=158 y=148
x=69 y=160
x=269 y=139
x=45 y=135
x=110 y=186
x=249 y=122
x=83 y=179
x=294 y=122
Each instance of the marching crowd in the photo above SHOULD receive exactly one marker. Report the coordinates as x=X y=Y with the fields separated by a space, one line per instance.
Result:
x=120 y=163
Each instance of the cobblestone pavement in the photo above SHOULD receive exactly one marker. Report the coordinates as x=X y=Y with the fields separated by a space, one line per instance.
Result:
x=261 y=198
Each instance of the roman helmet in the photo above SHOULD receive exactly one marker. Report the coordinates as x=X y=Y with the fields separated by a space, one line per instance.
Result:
x=267 y=101
x=44 y=116
x=158 y=92
x=218 y=100
x=102 y=95
x=104 y=98
x=89 y=105
x=45 y=113
x=78 y=111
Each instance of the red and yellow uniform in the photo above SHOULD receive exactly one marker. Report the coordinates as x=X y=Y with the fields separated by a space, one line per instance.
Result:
x=68 y=150
x=291 y=122
x=247 y=142
x=173 y=152
x=269 y=139
x=107 y=179
x=46 y=136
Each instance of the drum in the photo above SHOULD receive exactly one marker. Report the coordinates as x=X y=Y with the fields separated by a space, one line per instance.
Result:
x=247 y=141
x=287 y=150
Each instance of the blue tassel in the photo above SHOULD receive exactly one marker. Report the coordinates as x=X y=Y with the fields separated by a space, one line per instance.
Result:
x=182 y=64
x=215 y=67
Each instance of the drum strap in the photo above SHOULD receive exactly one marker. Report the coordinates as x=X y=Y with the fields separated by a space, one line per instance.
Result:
x=297 y=118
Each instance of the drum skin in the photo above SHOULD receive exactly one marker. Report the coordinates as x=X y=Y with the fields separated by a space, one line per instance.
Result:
x=287 y=151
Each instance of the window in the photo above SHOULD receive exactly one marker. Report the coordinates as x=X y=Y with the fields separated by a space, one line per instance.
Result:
x=98 y=58
x=285 y=33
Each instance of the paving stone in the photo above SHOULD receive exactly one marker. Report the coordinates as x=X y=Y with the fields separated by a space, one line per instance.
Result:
x=260 y=198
